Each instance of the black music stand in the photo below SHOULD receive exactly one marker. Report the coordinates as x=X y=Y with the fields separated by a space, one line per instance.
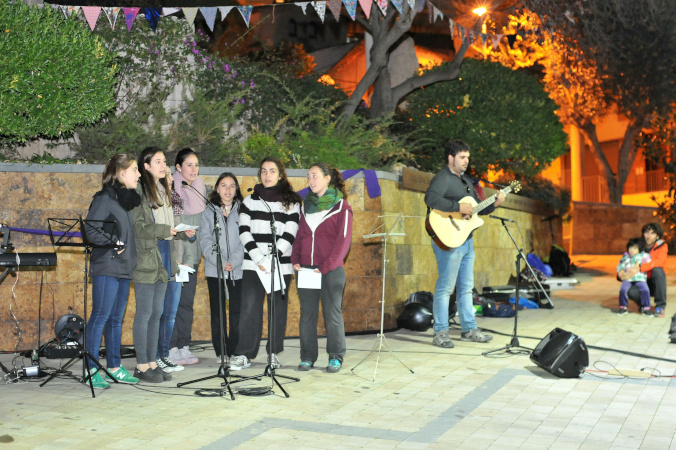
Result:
x=92 y=234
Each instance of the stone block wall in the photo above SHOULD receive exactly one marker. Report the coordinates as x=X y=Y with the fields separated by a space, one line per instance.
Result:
x=31 y=194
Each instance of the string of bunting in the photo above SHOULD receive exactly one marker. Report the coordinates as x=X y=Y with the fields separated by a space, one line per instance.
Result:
x=153 y=15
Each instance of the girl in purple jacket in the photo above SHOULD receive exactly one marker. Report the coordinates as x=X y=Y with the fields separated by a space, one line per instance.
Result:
x=322 y=243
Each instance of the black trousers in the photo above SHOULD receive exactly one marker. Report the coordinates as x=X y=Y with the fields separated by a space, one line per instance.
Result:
x=251 y=317
x=658 y=288
x=234 y=288
x=182 y=334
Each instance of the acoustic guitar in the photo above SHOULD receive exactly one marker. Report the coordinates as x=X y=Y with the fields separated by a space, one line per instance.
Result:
x=450 y=230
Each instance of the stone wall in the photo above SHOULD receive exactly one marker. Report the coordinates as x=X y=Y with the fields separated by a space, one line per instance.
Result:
x=34 y=193
x=604 y=229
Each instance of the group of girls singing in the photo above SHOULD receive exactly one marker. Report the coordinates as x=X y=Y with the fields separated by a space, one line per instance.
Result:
x=146 y=204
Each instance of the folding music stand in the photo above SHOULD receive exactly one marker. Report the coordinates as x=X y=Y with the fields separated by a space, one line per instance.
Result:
x=380 y=231
x=92 y=234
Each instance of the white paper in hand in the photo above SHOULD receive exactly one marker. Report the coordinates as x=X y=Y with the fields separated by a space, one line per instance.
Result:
x=183 y=227
x=183 y=271
x=265 y=279
x=309 y=279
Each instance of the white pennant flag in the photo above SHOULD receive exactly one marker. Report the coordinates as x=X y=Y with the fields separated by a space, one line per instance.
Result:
x=320 y=7
x=225 y=10
x=111 y=13
x=303 y=6
x=437 y=13
x=411 y=4
x=451 y=25
x=169 y=11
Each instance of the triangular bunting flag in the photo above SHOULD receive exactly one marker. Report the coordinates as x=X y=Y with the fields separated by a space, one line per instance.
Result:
x=437 y=13
x=421 y=5
x=382 y=4
x=169 y=11
x=462 y=33
x=451 y=25
x=397 y=4
x=411 y=4
x=351 y=7
x=111 y=13
x=496 y=40
x=303 y=6
x=92 y=15
x=68 y=11
x=209 y=13
x=334 y=7
x=366 y=7
x=55 y=6
x=130 y=16
x=152 y=16
x=320 y=7
x=245 y=11
x=471 y=36
x=484 y=38
x=190 y=14
x=225 y=10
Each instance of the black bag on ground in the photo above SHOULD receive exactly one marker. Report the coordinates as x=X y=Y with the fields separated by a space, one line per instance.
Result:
x=559 y=261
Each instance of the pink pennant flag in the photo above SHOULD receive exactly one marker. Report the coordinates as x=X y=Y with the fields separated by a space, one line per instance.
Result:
x=130 y=16
x=496 y=40
x=334 y=7
x=190 y=14
x=320 y=7
x=351 y=7
x=245 y=11
x=397 y=4
x=209 y=13
x=366 y=7
x=111 y=13
x=92 y=15
x=382 y=4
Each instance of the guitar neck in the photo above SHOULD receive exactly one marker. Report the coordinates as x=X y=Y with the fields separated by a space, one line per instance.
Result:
x=489 y=201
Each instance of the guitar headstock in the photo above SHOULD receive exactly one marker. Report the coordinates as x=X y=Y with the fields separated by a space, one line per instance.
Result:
x=515 y=186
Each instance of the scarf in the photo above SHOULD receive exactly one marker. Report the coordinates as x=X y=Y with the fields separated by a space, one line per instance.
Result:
x=271 y=194
x=313 y=204
x=127 y=198
x=192 y=202
x=163 y=214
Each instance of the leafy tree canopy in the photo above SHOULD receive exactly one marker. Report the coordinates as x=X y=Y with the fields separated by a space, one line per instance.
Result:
x=54 y=74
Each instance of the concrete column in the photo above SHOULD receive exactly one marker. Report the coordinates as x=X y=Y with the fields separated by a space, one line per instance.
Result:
x=576 y=145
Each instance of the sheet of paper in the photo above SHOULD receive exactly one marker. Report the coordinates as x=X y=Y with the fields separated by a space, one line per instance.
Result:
x=309 y=279
x=183 y=271
x=265 y=279
x=184 y=227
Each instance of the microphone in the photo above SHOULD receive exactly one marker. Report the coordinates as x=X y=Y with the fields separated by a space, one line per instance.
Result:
x=208 y=203
x=550 y=218
x=502 y=218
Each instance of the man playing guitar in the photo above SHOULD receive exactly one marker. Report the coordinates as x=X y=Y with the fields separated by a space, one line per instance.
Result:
x=455 y=265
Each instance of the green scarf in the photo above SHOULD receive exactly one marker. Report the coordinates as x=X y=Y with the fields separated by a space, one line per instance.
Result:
x=313 y=204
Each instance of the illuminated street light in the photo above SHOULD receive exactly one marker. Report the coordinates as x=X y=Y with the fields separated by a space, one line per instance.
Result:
x=479 y=11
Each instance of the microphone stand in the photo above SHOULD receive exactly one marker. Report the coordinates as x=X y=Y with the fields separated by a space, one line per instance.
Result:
x=270 y=368
x=223 y=369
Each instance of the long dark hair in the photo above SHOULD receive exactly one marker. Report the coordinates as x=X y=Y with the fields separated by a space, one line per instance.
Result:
x=115 y=165
x=183 y=154
x=336 y=177
x=215 y=198
x=289 y=196
x=148 y=181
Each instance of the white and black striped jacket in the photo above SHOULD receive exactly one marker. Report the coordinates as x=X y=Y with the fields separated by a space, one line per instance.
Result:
x=256 y=236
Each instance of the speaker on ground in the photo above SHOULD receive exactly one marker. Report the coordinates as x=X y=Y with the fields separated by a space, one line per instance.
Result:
x=562 y=353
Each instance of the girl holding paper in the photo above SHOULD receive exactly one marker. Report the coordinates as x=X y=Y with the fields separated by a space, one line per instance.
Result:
x=226 y=199
x=273 y=200
x=192 y=190
x=156 y=260
x=322 y=243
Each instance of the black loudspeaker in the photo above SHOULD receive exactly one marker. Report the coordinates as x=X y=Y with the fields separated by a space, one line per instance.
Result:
x=561 y=353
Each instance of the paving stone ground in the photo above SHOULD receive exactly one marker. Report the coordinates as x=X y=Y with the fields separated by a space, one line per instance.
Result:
x=455 y=398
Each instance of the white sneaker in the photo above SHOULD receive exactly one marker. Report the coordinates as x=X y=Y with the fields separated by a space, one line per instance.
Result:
x=239 y=362
x=176 y=356
x=274 y=361
x=167 y=365
x=188 y=356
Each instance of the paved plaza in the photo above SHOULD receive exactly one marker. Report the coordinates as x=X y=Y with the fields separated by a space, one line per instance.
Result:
x=455 y=398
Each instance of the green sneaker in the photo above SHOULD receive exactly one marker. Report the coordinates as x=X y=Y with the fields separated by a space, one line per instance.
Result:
x=122 y=376
x=97 y=381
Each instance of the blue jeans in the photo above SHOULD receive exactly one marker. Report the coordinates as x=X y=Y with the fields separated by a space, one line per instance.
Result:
x=456 y=270
x=171 y=299
x=109 y=299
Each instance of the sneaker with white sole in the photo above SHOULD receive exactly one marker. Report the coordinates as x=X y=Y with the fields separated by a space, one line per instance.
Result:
x=239 y=362
x=122 y=376
x=475 y=336
x=442 y=339
x=176 y=356
x=188 y=357
x=97 y=380
x=167 y=365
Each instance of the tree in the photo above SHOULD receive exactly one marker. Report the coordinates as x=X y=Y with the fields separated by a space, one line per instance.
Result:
x=620 y=53
x=387 y=32
x=54 y=74
x=505 y=116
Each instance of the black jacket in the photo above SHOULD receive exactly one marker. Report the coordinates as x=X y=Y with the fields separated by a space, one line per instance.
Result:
x=107 y=261
x=447 y=189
